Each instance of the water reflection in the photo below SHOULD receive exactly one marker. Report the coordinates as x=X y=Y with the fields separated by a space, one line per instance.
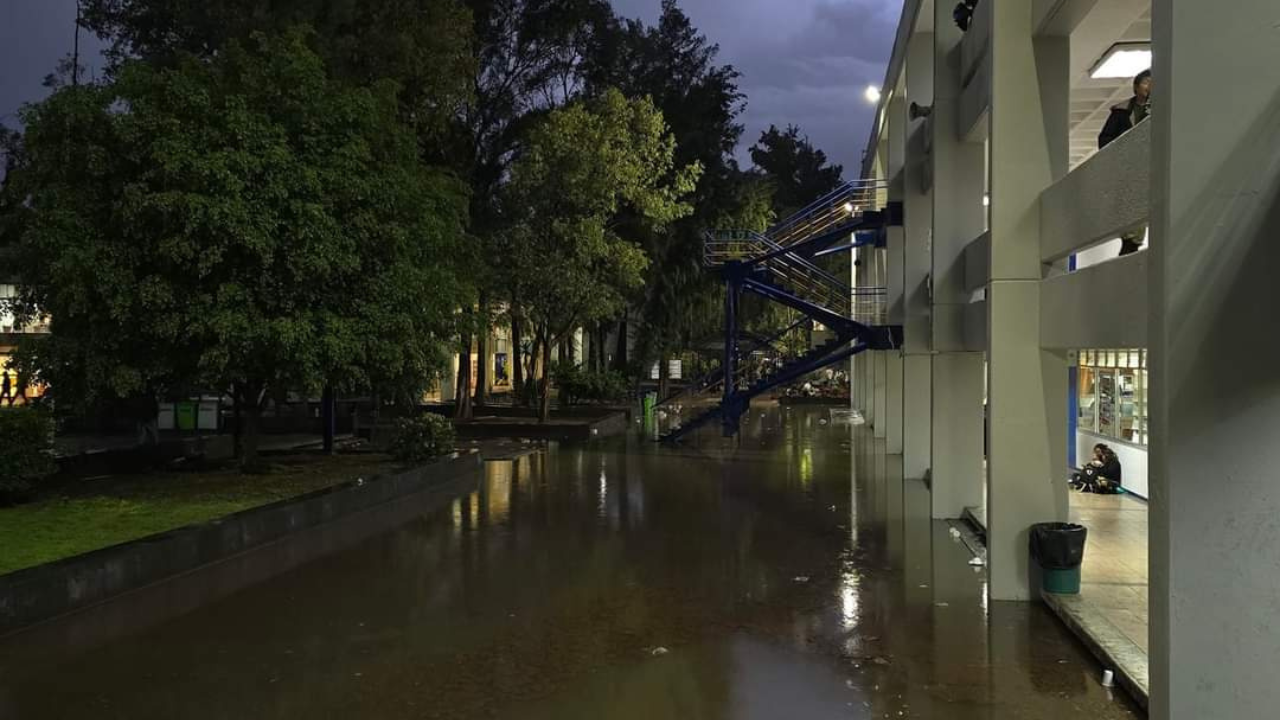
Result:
x=762 y=570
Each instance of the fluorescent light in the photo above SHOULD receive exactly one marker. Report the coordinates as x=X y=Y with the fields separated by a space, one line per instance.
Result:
x=872 y=94
x=1123 y=60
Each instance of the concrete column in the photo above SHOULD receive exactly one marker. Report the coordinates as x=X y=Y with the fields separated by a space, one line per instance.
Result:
x=917 y=364
x=959 y=176
x=893 y=264
x=880 y=413
x=1027 y=387
x=1215 y=495
x=957 y=433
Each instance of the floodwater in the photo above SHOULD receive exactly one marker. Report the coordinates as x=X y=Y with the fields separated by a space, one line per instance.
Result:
x=790 y=574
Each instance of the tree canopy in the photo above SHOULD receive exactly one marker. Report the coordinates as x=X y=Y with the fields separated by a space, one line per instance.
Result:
x=241 y=222
x=798 y=171
x=426 y=46
x=583 y=167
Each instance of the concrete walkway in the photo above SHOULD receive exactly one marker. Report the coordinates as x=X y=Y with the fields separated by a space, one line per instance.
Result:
x=1110 y=615
x=1114 y=576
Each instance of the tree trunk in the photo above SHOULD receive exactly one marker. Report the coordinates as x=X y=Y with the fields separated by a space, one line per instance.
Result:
x=593 y=349
x=462 y=393
x=517 y=357
x=571 y=353
x=664 y=377
x=482 y=353
x=531 y=376
x=545 y=411
x=237 y=423
x=329 y=417
x=250 y=434
x=620 y=358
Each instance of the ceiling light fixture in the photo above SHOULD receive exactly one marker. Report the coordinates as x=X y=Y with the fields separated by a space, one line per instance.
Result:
x=1122 y=60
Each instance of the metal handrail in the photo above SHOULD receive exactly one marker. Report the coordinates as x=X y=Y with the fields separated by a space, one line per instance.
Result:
x=860 y=194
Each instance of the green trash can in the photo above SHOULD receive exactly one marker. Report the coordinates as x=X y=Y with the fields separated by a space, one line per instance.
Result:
x=1058 y=548
x=185 y=415
x=1062 y=582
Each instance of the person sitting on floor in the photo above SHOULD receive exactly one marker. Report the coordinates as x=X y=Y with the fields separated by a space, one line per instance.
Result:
x=1102 y=474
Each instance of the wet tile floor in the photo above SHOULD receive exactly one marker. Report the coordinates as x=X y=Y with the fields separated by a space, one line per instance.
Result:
x=1113 y=578
x=790 y=573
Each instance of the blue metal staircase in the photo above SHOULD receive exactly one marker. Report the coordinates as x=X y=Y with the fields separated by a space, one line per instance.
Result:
x=779 y=265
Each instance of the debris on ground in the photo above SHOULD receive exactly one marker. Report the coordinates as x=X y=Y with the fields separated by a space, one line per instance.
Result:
x=800 y=579
x=659 y=651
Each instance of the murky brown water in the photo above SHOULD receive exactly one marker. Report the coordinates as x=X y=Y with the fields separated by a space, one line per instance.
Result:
x=791 y=575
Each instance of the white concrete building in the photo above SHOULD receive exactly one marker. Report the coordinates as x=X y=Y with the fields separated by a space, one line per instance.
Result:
x=1016 y=307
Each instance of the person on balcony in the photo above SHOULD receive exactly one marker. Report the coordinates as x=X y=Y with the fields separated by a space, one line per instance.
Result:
x=1123 y=118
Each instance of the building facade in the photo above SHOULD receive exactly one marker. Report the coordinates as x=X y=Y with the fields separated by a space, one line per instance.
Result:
x=1028 y=338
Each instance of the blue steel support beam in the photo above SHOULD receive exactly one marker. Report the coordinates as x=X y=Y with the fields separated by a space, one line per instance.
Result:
x=734 y=273
x=731 y=415
x=817 y=312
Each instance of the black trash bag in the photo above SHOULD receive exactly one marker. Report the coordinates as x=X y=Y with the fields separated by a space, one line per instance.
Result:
x=1058 y=546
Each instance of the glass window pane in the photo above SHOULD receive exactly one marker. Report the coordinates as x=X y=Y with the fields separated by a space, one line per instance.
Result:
x=1107 y=403
x=1127 y=424
x=1087 y=399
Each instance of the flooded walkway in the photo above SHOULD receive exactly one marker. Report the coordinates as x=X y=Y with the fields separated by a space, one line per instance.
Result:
x=791 y=574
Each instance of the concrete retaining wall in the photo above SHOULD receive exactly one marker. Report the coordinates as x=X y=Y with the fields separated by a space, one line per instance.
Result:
x=46 y=591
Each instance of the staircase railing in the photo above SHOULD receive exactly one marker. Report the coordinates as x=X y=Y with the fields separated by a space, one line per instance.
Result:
x=829 y=211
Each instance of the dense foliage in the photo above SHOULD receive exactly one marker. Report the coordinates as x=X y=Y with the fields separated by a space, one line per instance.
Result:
x=244 y=222
x=248 y=207
x=421 y=438
x=578 y=385
x=425 y=46
x=583 y=167
x=26 y=452
x=797 y=171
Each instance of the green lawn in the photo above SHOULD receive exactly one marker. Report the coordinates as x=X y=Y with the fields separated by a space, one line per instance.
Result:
x=100 y=513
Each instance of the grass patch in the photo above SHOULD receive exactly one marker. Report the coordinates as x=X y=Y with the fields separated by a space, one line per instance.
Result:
x=94 y=514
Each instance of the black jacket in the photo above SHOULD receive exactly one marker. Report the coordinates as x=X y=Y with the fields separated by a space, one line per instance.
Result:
x=1111 y=470
x=1119 y=122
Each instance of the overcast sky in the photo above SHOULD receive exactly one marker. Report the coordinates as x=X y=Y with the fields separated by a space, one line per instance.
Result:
x=803 y=62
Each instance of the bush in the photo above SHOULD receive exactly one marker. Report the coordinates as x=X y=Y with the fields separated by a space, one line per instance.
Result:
x=421 y=438
x=26 y=452
x=578 y=385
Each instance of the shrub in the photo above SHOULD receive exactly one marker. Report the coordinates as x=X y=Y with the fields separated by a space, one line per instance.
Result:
x=26 y=452
x=578 y=385
x=423 y=437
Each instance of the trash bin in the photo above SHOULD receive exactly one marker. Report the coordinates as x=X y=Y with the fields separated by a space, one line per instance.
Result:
x=1058 y=548
x=186 y=412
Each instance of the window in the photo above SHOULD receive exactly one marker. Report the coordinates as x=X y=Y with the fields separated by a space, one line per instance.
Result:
x=1112 y=394
x=7 y=293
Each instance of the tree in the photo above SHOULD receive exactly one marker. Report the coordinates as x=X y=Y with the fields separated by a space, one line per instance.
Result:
x=425 y=46
x=676 y=65
x=798 y=171
x=242 y=222
x=583 y=167
x=528 y=57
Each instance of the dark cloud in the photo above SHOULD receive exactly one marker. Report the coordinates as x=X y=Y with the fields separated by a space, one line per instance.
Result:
x=803 y=62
